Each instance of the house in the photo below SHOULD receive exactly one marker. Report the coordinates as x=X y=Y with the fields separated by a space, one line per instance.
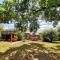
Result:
x=8 y=32
x=33 y=37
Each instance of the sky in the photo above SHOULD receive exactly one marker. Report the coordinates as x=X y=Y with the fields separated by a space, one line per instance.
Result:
x=8 y=26
x=1 y=1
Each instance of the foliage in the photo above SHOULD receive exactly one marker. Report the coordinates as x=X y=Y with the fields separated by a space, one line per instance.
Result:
x=6 y=12
x=49 y=35
x=34 y=26
x=26 y=15
x=22 y=26
x=58 y=32
x=37 y=5
x=23 y=11
x=51 y=13
x=19 y=36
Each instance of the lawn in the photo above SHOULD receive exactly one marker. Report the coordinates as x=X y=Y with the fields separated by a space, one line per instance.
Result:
x=29 y=50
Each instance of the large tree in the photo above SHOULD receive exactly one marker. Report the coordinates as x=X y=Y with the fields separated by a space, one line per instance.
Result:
x=28 y=10
x=25 y=14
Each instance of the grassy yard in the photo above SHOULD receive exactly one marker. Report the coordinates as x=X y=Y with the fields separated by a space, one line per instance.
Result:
x=42 y=50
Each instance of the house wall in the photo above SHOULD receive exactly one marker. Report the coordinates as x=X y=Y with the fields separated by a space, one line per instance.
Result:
x=32 y=37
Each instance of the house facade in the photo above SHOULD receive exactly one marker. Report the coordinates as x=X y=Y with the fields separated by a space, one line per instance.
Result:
x=7 y=32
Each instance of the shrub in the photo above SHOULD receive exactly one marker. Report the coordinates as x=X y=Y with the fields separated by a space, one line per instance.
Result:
x=59 y=33
x=49 y=35
x=59 y=37
x=19 y=36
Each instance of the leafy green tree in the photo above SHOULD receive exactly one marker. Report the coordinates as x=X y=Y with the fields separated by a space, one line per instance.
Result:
x=25 y=14
x=28 y=10
x=49 y=35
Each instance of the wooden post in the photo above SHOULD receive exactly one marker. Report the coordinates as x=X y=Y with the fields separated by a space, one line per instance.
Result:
x=11 y=37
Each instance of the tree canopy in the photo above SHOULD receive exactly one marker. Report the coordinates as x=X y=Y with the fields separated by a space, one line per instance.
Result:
x=23 y=11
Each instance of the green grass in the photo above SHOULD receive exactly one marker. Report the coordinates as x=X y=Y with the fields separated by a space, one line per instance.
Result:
x=4 y=45
x=12 y=50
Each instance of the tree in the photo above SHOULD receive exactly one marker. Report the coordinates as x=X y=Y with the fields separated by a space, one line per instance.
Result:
x=51 y=13
x=50 y=8
x=25 y=14
x=28 y=10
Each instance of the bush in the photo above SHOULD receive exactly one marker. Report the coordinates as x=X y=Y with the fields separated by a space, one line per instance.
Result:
x=49 y=35
x=19 y=36
x=59 y=34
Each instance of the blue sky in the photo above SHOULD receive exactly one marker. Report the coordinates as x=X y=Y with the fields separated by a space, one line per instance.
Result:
x=1 y=1
x=8 y=26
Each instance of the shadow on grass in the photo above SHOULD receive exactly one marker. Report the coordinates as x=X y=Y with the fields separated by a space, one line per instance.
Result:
x=57 y=48
x=56 y=42
x=29 y=51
